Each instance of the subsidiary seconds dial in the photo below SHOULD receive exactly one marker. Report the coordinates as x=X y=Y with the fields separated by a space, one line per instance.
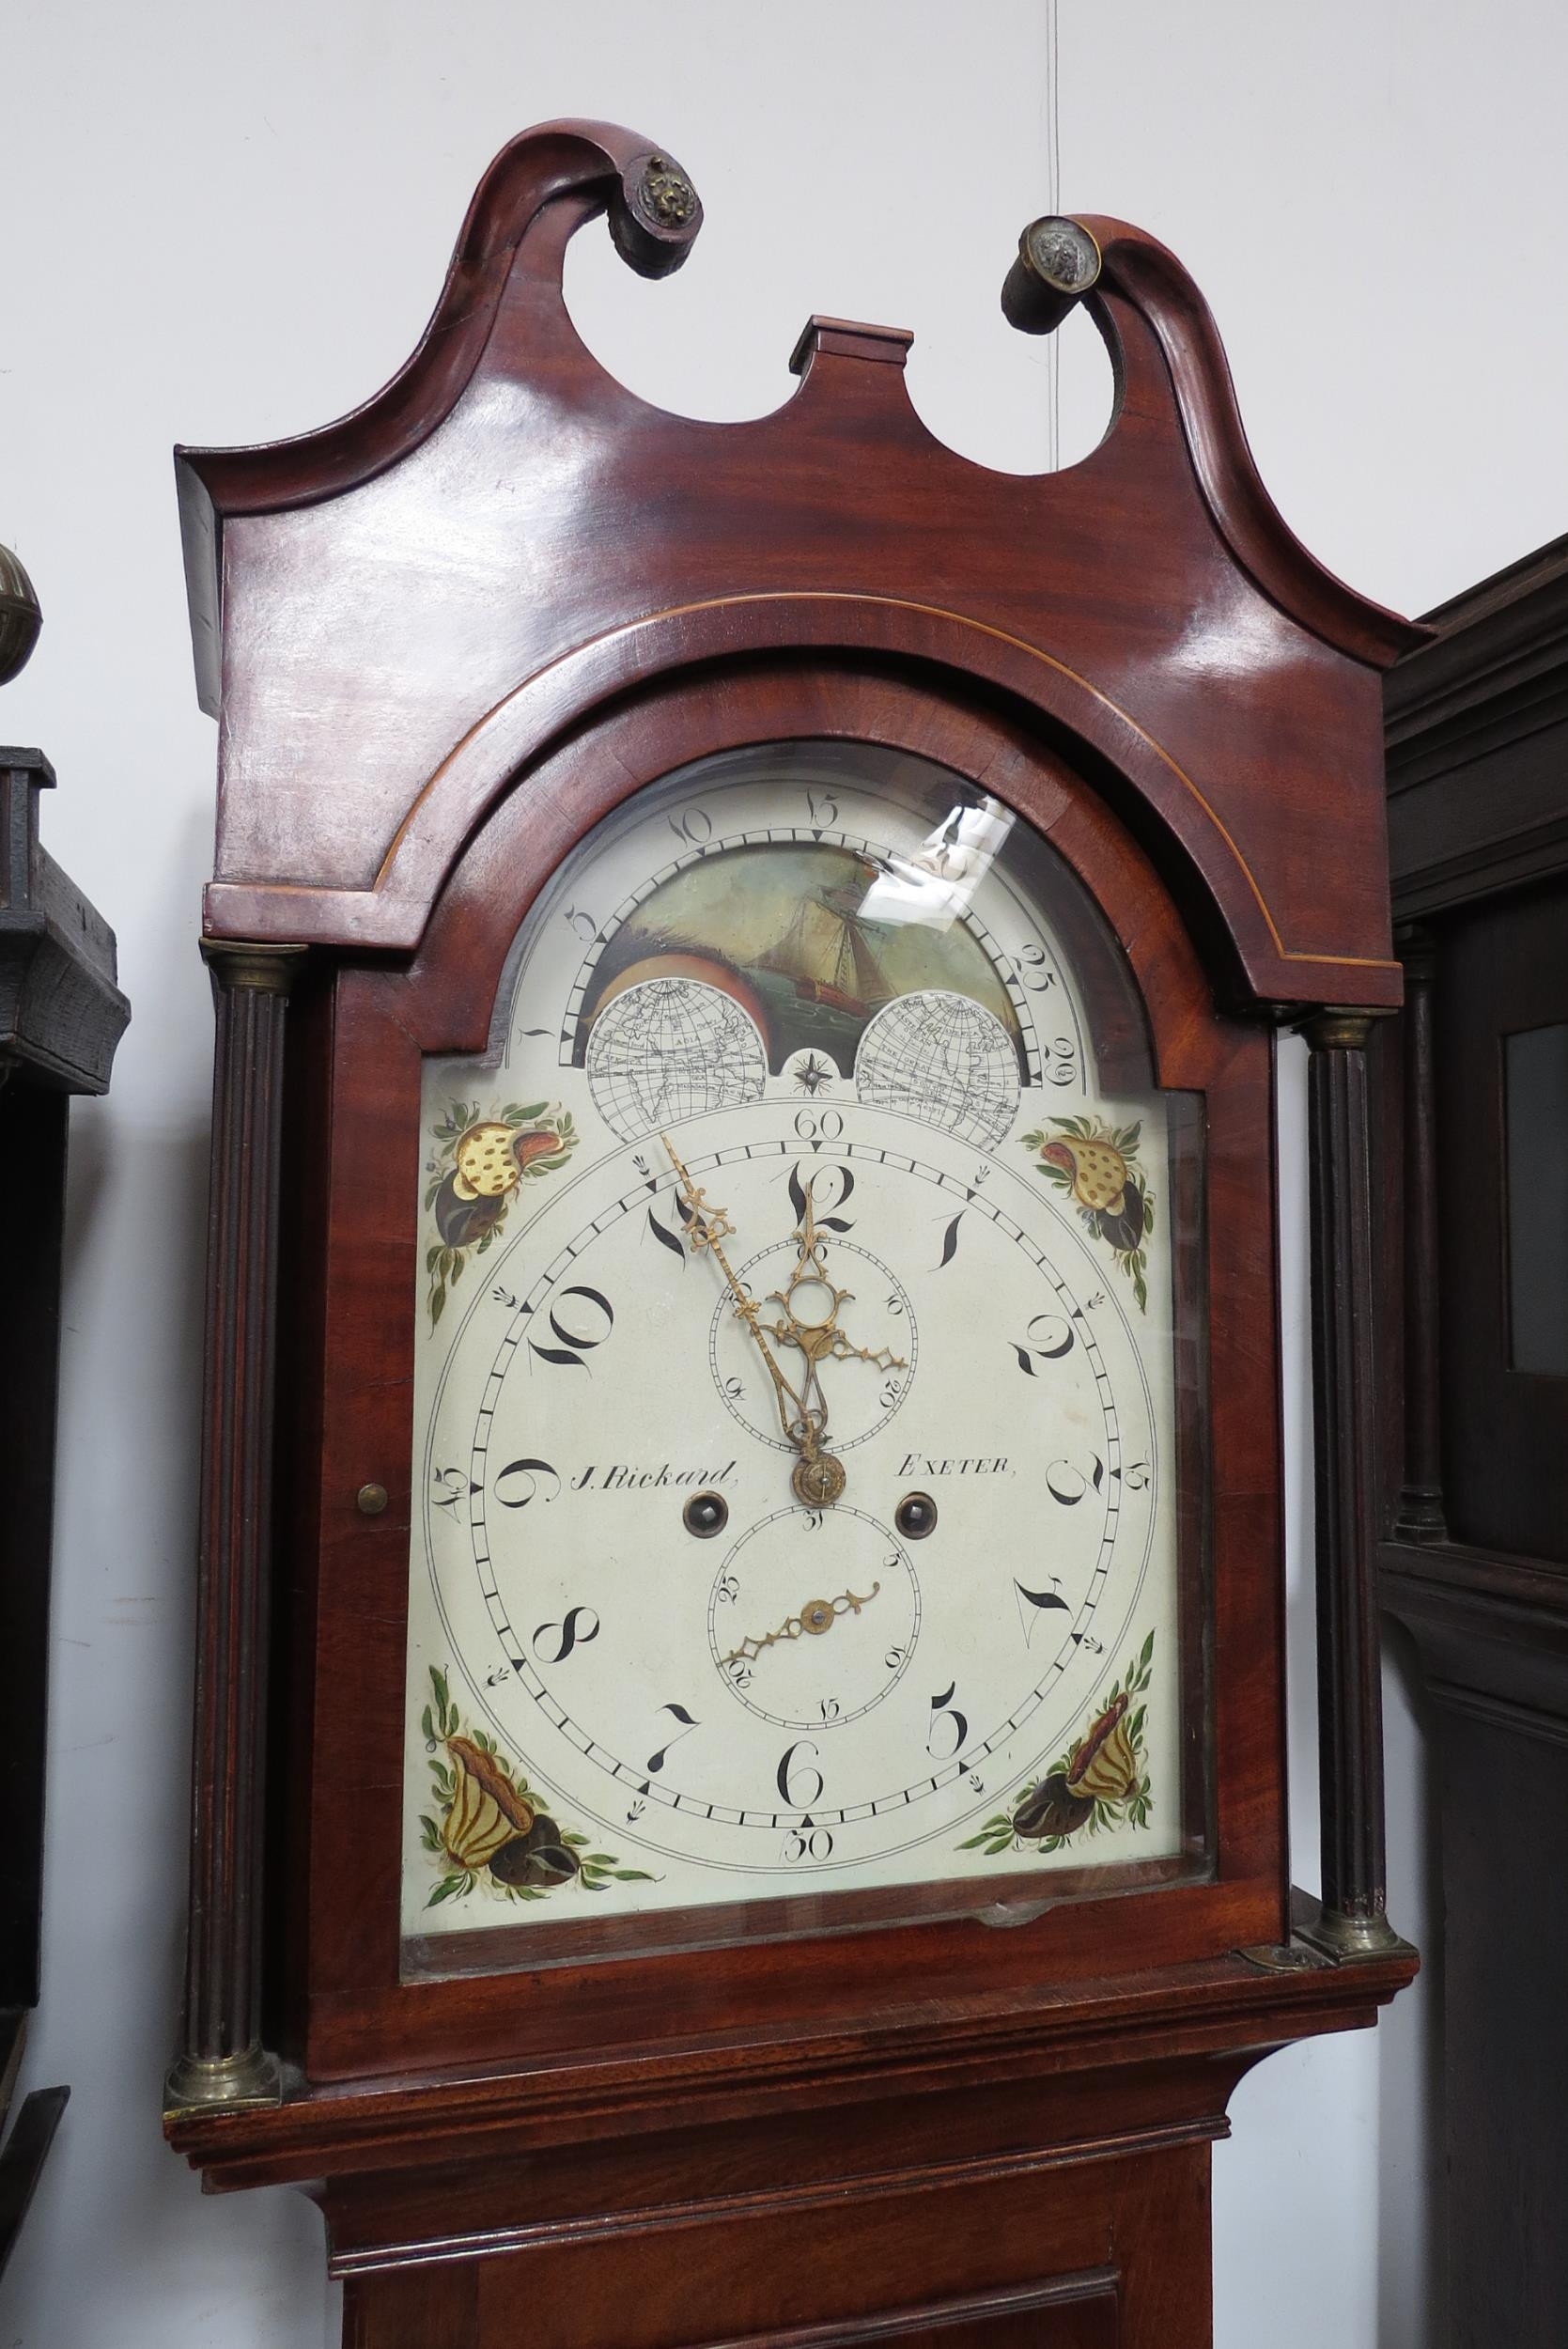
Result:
x=763 y=1635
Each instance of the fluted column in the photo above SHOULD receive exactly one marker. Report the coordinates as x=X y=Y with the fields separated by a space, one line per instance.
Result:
x=1350 y=1694
x=223 y=2062
x=1421 y=1516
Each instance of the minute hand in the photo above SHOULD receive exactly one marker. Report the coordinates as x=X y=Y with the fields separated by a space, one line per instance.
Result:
x=819 y=1479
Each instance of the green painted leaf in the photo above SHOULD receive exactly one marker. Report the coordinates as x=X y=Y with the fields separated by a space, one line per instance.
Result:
x=633 y=1876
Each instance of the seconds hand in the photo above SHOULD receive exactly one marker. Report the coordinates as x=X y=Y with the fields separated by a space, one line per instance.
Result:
x=817 y=1478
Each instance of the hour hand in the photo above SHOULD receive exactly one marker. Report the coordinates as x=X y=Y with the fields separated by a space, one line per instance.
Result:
x=705 y=1224
x=883 y=1355
x=811 y=1304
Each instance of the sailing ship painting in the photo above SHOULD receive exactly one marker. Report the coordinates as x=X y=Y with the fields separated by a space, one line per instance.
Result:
x=827 y=958
x=782 y=927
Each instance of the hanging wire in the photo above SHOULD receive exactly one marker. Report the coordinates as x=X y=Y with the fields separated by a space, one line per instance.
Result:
x=1053 y=204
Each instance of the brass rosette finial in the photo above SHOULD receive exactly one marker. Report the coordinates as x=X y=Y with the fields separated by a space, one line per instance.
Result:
x=1058 y=263
x=656 y=215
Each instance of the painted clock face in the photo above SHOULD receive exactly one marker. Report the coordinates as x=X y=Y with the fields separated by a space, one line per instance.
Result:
x=796 y=1420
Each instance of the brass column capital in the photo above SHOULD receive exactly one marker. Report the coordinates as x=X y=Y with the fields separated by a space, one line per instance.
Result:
x=244 y=962
x=1338 y=1031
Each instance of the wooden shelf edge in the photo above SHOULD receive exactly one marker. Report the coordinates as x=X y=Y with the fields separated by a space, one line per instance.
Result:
x=1228 y=2007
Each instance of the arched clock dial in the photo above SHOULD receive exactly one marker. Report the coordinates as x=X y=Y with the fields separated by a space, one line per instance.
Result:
x=797 y=1411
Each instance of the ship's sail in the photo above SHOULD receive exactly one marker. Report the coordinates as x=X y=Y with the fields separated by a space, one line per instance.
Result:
x=826 y=949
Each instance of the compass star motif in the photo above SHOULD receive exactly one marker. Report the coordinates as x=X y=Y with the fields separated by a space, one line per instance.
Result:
x=812 y=1074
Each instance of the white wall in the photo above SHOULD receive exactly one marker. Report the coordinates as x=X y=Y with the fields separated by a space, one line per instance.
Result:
x=233 y=222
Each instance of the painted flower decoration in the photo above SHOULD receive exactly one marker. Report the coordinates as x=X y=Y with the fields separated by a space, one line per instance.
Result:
x=489 y=1827
x=477 y=1166
x=1097 y=1165
x=1101 y=1781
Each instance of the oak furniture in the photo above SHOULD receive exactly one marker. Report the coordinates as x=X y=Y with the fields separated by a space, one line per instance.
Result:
x=1474 y=1559
x=61 y=1015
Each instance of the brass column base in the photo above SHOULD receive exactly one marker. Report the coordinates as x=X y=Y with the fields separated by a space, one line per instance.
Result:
x=237 y=2083
x=1341 y=1938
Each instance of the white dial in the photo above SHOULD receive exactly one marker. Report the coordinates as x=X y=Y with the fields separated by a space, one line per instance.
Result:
x=795 y=1441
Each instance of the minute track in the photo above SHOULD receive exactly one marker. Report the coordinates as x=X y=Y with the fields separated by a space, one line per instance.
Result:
x=624 y=1771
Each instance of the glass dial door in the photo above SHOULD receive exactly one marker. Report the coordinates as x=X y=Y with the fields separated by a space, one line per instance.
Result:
x=799 y=1437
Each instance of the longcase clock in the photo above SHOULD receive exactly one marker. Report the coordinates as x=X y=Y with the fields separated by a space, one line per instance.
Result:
x=739 y=1782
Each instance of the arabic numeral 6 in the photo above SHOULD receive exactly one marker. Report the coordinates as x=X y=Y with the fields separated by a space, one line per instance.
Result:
x=797 y=1782
x=814 y=1843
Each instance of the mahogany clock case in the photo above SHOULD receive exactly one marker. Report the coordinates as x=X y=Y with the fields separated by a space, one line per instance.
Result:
x=349 y=1280
x=430 y=695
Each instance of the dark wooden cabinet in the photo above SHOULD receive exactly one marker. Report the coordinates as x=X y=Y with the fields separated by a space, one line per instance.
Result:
x=1473 y=1215
x=61 y=1015
x=456 y=640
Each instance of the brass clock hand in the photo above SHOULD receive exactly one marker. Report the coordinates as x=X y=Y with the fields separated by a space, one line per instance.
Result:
x=816 y=1616
x=820 y=1339
x=817 y=1478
